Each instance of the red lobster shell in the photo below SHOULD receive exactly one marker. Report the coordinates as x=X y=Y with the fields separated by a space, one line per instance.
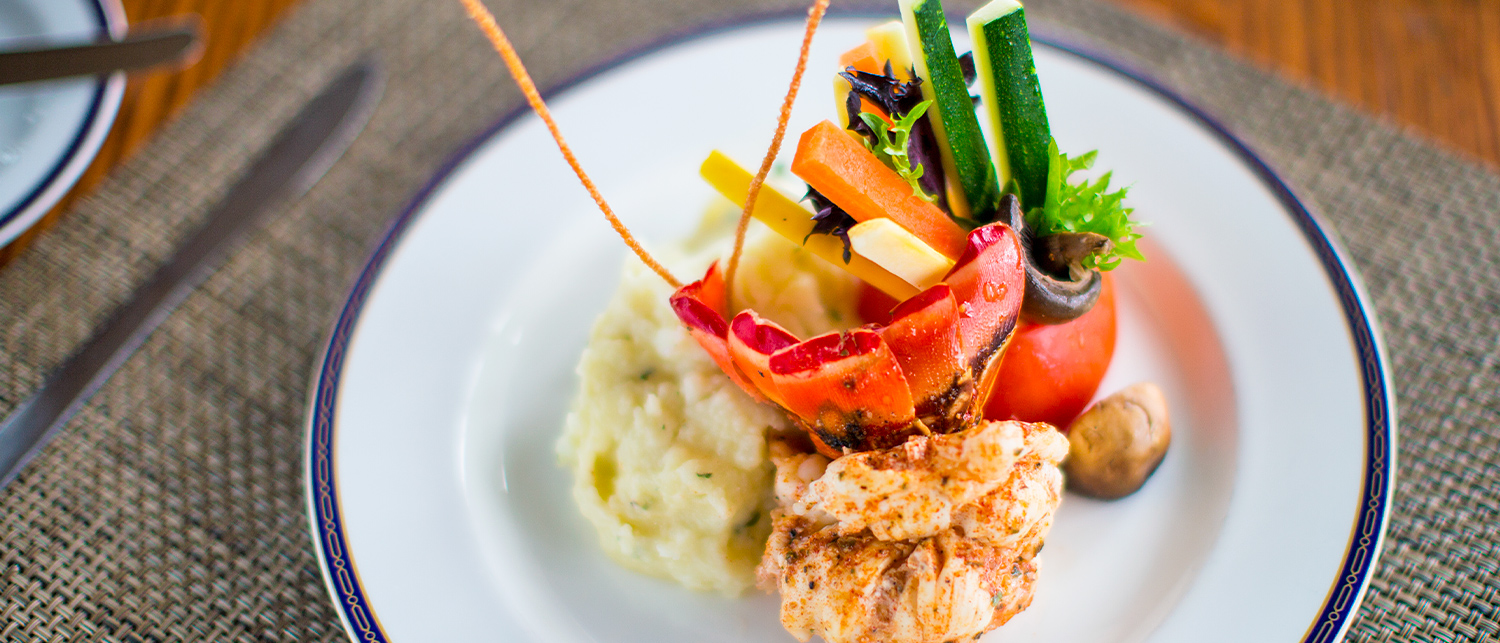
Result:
x=929 y=369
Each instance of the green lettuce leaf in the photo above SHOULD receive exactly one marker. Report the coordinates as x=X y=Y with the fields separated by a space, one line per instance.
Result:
x=891 y=146
x=1085 y=206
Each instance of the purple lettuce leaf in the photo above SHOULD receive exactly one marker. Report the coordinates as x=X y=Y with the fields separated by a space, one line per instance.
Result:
x=896 y=98
x=829 y=218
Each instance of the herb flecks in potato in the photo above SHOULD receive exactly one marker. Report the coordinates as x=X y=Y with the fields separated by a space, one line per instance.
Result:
x=1118 y=443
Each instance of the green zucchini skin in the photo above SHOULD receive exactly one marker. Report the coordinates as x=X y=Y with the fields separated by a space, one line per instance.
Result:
x=1020 y=114
x=955 y=121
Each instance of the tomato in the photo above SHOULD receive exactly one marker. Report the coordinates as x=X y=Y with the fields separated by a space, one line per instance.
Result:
x=1050 y=372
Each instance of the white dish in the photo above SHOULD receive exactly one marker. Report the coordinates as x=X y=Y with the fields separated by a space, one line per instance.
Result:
x=50 y=131
x=440 y=513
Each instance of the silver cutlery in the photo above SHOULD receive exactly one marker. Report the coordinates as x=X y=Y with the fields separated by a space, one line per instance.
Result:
x=139 y=49
x=295 y=160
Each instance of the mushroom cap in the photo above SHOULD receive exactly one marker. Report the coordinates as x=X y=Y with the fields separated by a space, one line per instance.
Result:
x=1117 y=444
x=1053 y=295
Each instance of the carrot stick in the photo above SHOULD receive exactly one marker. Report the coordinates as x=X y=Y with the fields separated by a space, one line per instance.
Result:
x=850 y=176
x=863 y=58
x=794 y=222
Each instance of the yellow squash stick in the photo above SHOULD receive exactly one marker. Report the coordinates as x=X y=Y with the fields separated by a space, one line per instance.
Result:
x=890 y=44
x=794 y=222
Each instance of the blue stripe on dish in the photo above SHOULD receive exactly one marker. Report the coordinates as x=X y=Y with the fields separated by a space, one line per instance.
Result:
x=102 y=21
x=1343 y=596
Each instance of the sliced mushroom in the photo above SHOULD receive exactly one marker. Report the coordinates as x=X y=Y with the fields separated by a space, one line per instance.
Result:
x=1063 y=253
x=1118 y=443
x=1054 y=296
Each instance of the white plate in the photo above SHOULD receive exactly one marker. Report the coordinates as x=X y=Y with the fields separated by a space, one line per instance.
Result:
x=440 y=513
x=50 y=131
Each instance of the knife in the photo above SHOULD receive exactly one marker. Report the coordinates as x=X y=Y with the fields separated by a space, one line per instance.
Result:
x=294 y=161
x=138 y=49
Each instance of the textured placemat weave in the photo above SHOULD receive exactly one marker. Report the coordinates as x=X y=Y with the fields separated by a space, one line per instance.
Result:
x=172 y=507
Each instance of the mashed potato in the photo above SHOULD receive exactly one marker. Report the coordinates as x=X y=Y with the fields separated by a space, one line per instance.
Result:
x=668 y=456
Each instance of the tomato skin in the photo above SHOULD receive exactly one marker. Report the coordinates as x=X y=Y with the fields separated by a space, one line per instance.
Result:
x=1050 y=372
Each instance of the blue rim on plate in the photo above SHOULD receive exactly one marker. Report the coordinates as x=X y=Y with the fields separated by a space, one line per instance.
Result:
x=1335 y=615
x=108 y=90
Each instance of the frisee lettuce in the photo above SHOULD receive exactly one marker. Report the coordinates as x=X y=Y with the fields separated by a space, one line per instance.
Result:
x=1085 y=206
x=890 y=146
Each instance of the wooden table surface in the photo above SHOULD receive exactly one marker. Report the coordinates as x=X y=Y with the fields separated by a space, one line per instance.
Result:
x=1432 y=66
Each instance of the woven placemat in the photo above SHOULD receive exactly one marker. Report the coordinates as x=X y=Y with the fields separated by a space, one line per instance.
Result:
x=172 y=508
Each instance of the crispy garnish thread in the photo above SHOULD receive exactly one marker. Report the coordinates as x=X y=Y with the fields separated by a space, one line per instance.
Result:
x=814 y=17
x=486 y=21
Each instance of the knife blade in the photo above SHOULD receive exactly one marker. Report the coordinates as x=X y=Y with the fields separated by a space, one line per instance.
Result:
x=294 y=161
x=138 y=49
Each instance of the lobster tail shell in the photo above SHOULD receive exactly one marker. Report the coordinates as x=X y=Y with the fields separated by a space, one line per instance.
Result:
x=752 y=341
x=924 y=335
x=694 y=305
x=989 y=281
x=847 y=388
x=872 y=387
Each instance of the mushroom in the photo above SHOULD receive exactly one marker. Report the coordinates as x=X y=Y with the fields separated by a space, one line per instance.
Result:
x=1118 y=443
x=1058 y=288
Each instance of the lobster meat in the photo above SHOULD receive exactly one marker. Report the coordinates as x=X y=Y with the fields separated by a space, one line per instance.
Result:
x=930 y=369
x=934 y=540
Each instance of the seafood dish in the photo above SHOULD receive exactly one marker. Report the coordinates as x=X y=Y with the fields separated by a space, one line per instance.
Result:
x=870 y=404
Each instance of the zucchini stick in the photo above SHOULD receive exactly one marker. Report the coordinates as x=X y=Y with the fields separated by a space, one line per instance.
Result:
x=1012 y=98
x=966 y=157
